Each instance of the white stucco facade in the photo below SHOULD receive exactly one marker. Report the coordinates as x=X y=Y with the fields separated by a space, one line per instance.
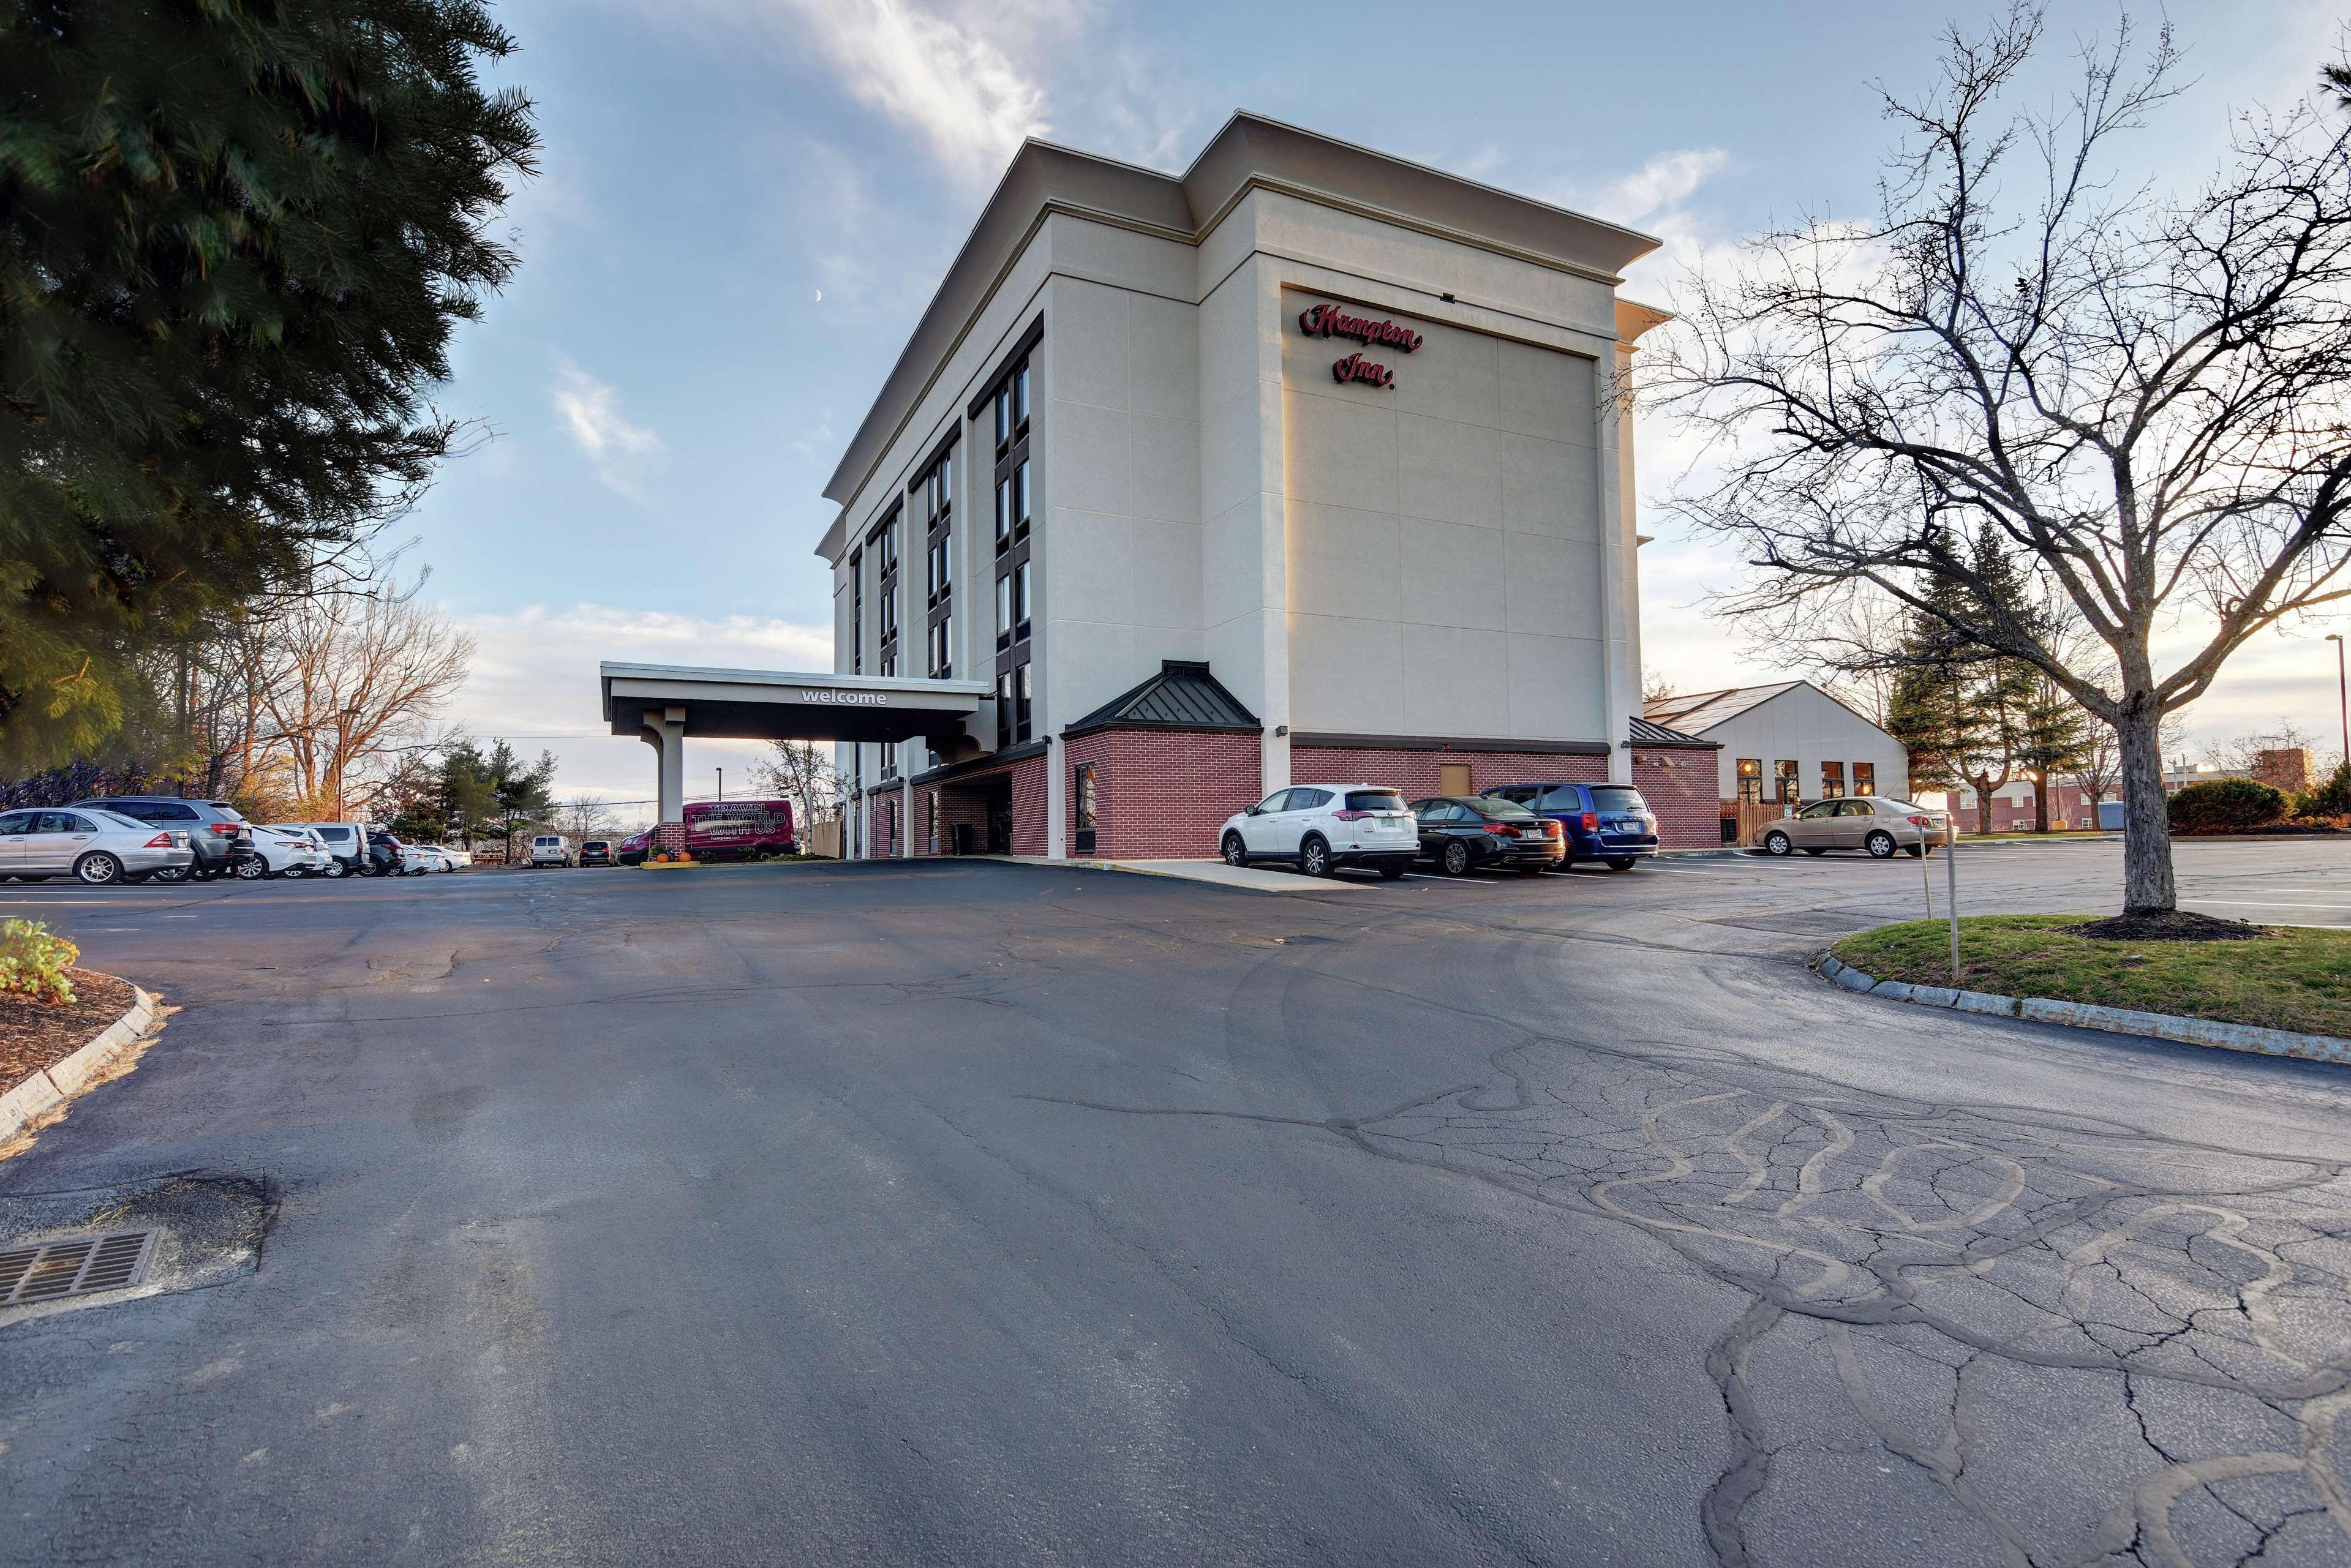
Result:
x=1440 y=555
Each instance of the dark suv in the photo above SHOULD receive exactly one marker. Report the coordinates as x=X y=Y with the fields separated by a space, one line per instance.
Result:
x=1608 y=822
x=596 y=851
x=221 y=837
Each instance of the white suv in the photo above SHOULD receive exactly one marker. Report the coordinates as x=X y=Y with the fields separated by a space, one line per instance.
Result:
x=1322 y=827
x=548 y=849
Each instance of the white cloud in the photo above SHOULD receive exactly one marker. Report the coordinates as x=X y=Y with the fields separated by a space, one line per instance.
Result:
x=590 y=409
x=1662 y=183
x=534 y=683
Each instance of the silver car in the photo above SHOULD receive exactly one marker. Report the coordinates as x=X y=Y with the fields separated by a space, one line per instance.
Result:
x=100 y=848
x=1871 y=823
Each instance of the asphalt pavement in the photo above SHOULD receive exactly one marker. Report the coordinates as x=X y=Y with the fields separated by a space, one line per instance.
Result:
x=981 y=1213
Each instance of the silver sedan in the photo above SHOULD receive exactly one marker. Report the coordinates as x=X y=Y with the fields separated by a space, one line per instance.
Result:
x=99 y=848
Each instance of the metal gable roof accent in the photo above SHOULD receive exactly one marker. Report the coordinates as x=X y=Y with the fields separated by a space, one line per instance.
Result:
x=1182 y=696
x=1701 y=711
x=1648 y=732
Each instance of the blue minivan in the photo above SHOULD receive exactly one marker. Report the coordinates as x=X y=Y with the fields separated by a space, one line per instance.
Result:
x=1608 y=822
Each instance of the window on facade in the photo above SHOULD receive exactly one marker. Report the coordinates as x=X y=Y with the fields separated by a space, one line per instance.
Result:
x=888 y=759
x=1751 y=780
x=1003 y=709
x=1832 y=779
x=857 y=613
x=937 y=488
x=1865 y=778
x=1783 y=778
x=1014 y=504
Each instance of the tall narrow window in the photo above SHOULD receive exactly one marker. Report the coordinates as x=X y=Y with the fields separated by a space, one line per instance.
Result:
x=935 y=489
x=1831 y=780
x=1751 y=780
x=1003 y=709
x=1865 y=778
x=1015 y=505
x=857 y=613
x=883 y=544
x=1783 y=776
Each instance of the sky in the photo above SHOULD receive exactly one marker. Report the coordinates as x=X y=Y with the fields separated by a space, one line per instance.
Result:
x=745 y=205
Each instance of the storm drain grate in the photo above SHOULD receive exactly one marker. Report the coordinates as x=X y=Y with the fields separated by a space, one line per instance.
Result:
x=82 y=1266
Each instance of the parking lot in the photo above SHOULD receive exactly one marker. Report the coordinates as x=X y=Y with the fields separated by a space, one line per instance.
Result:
x=938 y=1212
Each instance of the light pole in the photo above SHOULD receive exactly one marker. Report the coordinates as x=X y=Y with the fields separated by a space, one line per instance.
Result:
x=2342 y=690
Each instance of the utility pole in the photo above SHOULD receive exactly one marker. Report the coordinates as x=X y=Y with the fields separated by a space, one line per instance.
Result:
x=2342 y=690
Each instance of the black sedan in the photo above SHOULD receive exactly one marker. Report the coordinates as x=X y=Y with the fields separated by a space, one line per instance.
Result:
x=1462 y=832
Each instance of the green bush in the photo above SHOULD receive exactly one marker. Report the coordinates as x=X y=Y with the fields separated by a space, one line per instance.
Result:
x=33 y=961
x=2331 y=798
x=2223 y=804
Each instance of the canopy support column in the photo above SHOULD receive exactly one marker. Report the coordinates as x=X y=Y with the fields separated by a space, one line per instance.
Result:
x=664 y=731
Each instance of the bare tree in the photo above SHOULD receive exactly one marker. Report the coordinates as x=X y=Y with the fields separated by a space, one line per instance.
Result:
x=2144 y=395
x=358 y=677
x=584 y=817
x=1656 y=687
x=1870 y=621
x=801 y=773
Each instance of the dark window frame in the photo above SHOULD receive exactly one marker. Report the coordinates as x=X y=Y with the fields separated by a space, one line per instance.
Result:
x=937 y=488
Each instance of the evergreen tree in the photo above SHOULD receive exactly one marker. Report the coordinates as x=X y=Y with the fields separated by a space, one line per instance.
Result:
x=2055 y=738
x=1928 y=709
x=235 y=239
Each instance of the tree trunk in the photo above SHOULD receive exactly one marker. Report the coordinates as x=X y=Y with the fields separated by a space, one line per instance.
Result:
x=2148 y=885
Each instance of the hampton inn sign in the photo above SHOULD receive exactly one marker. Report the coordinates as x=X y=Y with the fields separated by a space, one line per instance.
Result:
x=1330 y=321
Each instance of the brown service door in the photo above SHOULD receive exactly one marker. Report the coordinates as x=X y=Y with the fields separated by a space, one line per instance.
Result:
x=1453 y=779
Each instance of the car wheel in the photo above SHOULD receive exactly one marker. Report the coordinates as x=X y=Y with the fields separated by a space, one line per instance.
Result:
x=254 y=869
x=1776 y=843
x=1917 y=852
x=1392 y=871
x=173 y=874
x=1314 y=857
x=1880 y=845
x=1236 y=851
x=98 y=869
x=1621 y=862
x=1456 y=859
x=294 y=872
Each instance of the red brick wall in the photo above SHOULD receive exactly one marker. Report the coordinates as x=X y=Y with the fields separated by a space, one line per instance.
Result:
x=1414 y=772
x=1163 y=794
x=1029 y=805
x=958 y=804
x=1681 y=785
x=2068 y=803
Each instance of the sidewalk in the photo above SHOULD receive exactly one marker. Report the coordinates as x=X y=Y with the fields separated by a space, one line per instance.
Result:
x=1256 y=879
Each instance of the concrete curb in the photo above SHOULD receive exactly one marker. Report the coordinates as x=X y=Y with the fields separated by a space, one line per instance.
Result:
x=65 y=1079
x=2084 y=1015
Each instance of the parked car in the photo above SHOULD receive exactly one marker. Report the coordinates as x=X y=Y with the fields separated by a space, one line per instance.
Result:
x=634 y=849
x=327 y=865
x=289 y=852
x=738 y=830
x=596 y=851
x=390 y=857
x=217 y=832
x=1871 y=823
x=460 y=857
x=1608 y=822
x=93 y=846
x=428 y=857
x=346 y=846
x=1322 y=827
x=1462 y=833
x=548 y=849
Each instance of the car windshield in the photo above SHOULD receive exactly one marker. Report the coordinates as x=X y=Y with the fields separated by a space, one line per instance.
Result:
x=1617 y=797
x=117 y=820
x=226 y=810
x=1494 y=807
x=1375 y=801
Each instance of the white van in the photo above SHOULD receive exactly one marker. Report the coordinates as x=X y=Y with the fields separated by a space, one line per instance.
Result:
x=548 y=849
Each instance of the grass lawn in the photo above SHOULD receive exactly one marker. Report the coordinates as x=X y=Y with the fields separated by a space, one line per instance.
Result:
x=2291 y=980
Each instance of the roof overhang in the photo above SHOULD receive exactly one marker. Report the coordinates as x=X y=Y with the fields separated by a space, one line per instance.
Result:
x=785 y=704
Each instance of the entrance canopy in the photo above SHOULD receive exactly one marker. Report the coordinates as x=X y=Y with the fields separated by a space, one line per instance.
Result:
x=778 y=704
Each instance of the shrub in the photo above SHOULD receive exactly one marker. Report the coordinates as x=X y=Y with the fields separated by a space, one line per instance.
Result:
x=2223 y=804
x=2331 y=798
x=33 y=961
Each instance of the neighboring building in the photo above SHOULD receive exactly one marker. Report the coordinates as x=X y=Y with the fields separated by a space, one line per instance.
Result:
x=2013 y=809
x=1305 y=464
x=1787 y=742
x=2284 y=767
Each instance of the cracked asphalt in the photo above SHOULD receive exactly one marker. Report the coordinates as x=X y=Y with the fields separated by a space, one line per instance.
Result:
x=974 y=1213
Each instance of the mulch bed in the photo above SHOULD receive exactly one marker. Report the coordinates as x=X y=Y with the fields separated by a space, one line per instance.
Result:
x=34 y=1034
x=2172 y=925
